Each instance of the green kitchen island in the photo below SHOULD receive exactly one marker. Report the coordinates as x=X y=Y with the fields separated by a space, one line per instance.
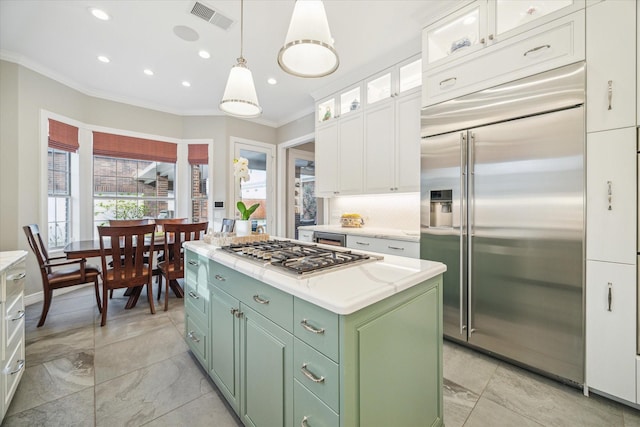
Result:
x=358 y=346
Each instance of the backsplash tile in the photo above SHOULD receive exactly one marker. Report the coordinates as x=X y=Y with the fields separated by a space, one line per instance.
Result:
x=395 y=211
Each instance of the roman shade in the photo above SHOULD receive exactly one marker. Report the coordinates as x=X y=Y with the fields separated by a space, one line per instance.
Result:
x=127 y=147
x=198 y=154
x=63 y=136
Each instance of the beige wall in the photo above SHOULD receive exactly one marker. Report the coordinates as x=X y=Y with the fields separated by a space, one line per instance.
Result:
x=25 y=93
x=292 y=130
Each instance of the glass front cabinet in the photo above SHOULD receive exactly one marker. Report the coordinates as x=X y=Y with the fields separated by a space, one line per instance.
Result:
x=394 y=81
x=340 y=105
x=486 y=22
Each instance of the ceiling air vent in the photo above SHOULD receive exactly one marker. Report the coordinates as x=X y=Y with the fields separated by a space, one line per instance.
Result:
x=211 y=15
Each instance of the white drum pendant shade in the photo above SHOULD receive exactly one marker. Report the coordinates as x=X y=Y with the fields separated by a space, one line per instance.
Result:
x=240 y=98
x=308 y=49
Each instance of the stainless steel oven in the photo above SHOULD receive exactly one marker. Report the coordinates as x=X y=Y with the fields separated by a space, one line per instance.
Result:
x=333 y=239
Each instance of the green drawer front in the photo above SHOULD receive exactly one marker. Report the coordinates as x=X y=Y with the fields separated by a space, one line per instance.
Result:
x=317 y=327
x=192 y=263
x=317 y=373
x=272 y=303
x=310 y=411
x=196 y=339
x=196 y=297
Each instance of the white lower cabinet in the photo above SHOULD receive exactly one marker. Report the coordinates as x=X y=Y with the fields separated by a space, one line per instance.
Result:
x=384 y=246
x=12 y=326
x=611 y=329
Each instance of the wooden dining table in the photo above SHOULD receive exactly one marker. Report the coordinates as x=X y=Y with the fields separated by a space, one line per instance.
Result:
x=83 y=249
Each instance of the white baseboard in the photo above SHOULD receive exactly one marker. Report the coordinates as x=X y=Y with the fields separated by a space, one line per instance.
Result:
x=39 y=296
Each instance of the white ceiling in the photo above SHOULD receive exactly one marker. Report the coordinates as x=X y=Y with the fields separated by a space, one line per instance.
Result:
x=61 y=39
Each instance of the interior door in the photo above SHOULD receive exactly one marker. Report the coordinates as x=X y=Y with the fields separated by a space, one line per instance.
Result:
x=442 y=180
x=526 y=210
x=259 y=188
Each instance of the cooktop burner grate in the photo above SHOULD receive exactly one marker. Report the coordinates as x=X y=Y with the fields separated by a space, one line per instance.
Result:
x=297 y=258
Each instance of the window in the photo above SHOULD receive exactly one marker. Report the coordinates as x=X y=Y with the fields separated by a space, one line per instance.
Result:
x=199 y=192
x=199 y=161
x=129 y=188
x=59 y=197
x=62 y=142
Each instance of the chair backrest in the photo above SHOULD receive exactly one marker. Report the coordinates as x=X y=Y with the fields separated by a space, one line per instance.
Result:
x=227 y=225
x=37 y=246
x=129 y=242
x=127 y=222
x=175 y=235
x=160 y=223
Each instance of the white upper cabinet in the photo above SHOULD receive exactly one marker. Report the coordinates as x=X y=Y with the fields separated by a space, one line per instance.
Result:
x=611 y=65
x=394 y=81
x=486 y=22
x=341 y=104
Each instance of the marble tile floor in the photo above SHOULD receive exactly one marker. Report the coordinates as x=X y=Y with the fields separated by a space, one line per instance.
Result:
x=138 y=371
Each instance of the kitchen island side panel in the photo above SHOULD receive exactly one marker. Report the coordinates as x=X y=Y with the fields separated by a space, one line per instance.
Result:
x=391 y=361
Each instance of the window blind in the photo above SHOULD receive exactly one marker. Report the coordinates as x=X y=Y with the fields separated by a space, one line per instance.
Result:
x=63 y=137
x=111 y=145
x=198 y=154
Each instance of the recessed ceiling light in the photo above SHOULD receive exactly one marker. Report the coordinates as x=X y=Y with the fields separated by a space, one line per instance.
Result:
x=186 y=84
x=204 y=54
x=100 y=14
x=104 y=59
x=272 y=81
x=148 y=72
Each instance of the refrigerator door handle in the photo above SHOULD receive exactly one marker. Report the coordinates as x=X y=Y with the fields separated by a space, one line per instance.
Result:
x=463 y=173
x=470 y=226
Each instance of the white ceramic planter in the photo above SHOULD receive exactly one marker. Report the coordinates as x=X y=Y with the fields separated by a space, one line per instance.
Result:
x=243 y=227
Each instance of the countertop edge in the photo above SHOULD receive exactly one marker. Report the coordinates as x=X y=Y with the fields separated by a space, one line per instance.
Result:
x=374 y=232
x=308 y=289
x=10 y=258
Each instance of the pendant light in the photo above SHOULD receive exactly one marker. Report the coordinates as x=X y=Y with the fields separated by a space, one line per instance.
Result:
x=308 y=49
x=240 y=98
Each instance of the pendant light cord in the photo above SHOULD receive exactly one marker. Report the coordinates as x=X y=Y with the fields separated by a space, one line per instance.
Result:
x=241 y=26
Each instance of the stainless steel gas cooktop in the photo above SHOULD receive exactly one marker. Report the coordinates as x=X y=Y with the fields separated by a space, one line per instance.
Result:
x=297 y=258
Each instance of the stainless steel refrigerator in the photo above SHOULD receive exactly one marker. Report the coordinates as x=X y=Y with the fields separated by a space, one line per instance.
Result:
x=502 y=205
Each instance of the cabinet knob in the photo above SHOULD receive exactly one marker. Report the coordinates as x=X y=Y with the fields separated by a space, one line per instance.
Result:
x=490 y=36
x=482 y=40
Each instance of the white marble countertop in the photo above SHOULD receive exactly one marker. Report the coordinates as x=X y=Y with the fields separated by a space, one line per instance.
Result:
x=8 y=258
x=343 y=290
x=376 y=232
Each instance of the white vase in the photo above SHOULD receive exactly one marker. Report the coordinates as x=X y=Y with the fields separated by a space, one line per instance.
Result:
x=243 y=227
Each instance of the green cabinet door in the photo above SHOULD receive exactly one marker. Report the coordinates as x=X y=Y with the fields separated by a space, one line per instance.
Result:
x=225 y=345
x=267 y=358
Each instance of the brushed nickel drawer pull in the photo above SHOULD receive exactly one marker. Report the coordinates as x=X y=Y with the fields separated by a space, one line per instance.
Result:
x=535 y=49
x=192 y=262
x=363 y=243
x=445 y=82
x=609 y=296
x=397 y=248
x=193 y=337
x=310 y=328
x=313 y=377
x=193 y=295
x=220 y=278
x=304 y=422
x=610 y=93
x=259 y=300
x=19 y=368
x=21 y=314
x=19 y=277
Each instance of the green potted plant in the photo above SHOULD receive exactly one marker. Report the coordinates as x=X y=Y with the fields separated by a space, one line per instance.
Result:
x=243 y=225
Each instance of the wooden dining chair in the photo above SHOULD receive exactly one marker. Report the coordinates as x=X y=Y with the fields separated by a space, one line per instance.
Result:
x=133 y=270
x=74 y=272
x=161 y=222
x=172 y=267
x=127 y=222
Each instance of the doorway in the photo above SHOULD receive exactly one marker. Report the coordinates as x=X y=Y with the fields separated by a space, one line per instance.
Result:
x=259 y=187
x=302 y=205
